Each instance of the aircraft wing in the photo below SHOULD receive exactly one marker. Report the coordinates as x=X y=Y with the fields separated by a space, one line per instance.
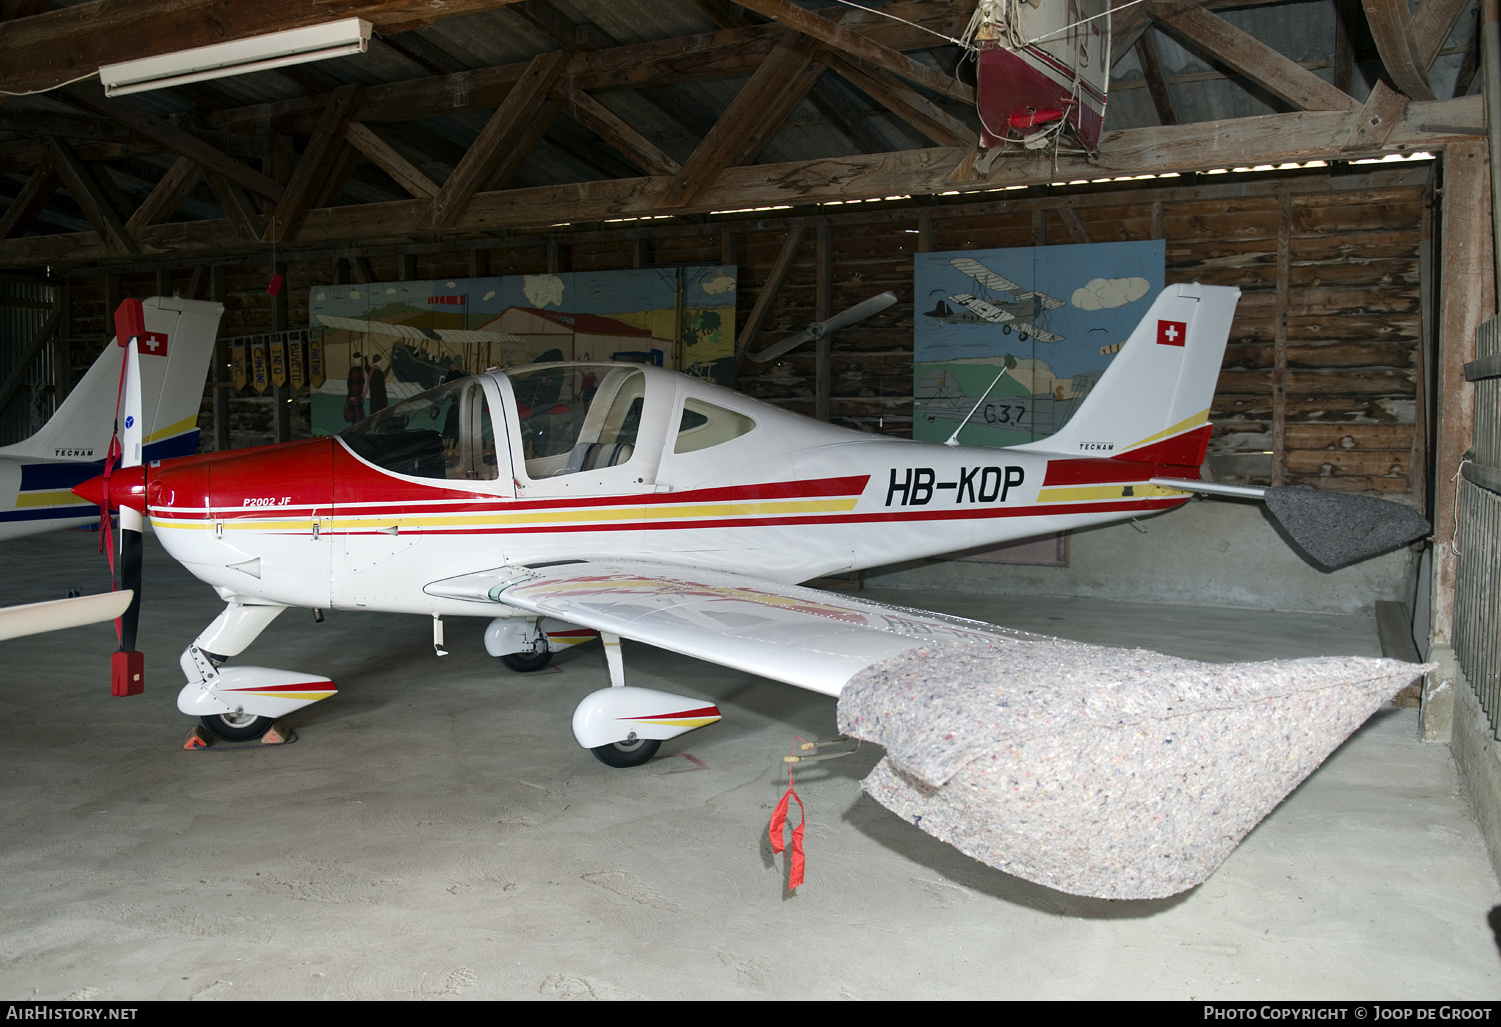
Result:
x=982 y=274
x=1048 y=302
x=805 y=637
x=983 y=308
x=400 y=331
x=1040 y=334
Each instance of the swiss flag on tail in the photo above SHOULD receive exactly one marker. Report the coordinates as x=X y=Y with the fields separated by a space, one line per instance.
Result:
x=1172 y=333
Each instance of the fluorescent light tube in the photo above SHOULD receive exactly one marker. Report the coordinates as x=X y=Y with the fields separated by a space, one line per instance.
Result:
x=257 y=53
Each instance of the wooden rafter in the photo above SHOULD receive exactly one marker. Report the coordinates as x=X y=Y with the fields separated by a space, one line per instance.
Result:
x=500 y=139
x=613 y=129
x=745 y=339
x=860 y=45
x=902 y=100
x=384 y=156
x=244 y=222
x=1297 y=136
x=1397 y=42
x=1151 y=70
x=176 y=139
x=23 y=210
x=87 y=194
x=316 y=162
x=47 y=49
x=1383 y=108
x=1274 y=72
x=749 y=121
x=170 y=190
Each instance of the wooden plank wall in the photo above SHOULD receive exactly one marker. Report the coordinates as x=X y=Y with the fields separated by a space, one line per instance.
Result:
x=1321 y=379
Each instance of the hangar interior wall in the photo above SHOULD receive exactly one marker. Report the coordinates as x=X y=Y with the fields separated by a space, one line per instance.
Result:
x=1323 y=382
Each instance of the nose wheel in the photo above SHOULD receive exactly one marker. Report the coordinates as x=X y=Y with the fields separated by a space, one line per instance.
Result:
x=525 y=663
x=237 y=727
x=628 y=753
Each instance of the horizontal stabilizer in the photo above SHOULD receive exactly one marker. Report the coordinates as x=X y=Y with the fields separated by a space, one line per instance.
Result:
x=1336 y=529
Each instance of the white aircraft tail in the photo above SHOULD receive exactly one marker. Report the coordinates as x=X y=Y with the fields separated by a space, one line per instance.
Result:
x=1152 y=403
x=174 y=361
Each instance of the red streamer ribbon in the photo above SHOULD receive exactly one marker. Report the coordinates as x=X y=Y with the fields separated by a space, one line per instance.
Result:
x=779 y=825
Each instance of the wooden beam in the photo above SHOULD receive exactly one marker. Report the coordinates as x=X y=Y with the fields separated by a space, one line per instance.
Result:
x=178 y=140
x=1151 y=70
x=1279 y=75
x=1468 y=298
x=749 y=121
x=613 y=129
x=33 y=197
x=1299 y=136
x=745 y=339
x=1383 y=108
x=503 y=131
x=1279 y=336
x=823 y=304
x=48 y=49
x=169 y=191
x=402 y=171
x=922 y=114
x=1077 y=233
x=86 y=193
x=314 y=165
x=1397 y=42
x=240 y=215
x=862 y=46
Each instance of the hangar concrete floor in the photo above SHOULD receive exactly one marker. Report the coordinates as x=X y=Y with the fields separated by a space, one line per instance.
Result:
x=436 y=833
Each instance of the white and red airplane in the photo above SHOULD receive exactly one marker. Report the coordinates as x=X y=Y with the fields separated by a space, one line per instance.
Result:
x=560 y=500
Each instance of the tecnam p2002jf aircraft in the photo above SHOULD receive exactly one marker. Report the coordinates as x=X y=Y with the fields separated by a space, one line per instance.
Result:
x=566 y=499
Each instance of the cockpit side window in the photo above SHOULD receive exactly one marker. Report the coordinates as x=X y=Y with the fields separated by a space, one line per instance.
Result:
x=442 y=433
x=704 y=425
x=576 y=418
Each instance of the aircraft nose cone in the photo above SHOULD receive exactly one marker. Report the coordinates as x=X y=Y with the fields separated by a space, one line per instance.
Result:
x=127 y=487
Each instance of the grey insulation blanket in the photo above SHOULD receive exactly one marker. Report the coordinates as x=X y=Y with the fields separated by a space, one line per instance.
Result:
x=1115 y=773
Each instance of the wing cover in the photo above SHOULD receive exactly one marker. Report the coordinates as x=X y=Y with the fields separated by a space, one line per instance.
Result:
x=805 y=637
x=986 y=277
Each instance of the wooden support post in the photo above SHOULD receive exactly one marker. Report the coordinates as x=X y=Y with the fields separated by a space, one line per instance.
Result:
x=1279 y=337
x=1468 y=298
x=479 y=263
x=62 y=352
x=282 y=393
x=924 y=233
x=163 y=282
x=729 y=248
x=407 y=267
x=223 y=387
x=554 y=257
x=823 y=302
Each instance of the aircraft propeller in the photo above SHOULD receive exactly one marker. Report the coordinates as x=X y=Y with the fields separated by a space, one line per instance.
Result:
x=122 y=488
x=818 y=329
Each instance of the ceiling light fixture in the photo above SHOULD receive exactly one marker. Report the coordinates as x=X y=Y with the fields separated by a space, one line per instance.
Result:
x=257 y=53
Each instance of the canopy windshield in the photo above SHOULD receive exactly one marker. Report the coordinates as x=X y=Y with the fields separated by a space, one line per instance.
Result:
x=577 y=417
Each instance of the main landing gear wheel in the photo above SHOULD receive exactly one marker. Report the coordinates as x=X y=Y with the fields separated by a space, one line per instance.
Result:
x=627 y=754
x=525 y=663
x=237 y=727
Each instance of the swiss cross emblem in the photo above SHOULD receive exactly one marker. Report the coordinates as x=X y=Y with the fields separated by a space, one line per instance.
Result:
x=1171 y=333
x=154 y=343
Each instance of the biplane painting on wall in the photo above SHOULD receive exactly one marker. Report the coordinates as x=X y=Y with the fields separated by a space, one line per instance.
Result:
x=1030 y=329
x=424 y=332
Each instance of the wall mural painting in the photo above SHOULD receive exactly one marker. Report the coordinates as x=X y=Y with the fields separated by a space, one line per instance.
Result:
x=1007 y=343
x=385 y=341
x=1050 y=317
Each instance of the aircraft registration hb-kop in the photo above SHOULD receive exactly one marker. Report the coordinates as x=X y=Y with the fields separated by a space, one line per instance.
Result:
x=566 y=499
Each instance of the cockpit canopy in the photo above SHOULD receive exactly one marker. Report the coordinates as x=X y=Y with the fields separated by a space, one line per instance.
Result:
x=567 y=419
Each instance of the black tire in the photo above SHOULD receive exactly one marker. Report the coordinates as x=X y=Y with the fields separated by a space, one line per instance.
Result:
x=627 y=754
x=525 y=663
x=1005 y=329
x=1022 y=336
x=237 y=727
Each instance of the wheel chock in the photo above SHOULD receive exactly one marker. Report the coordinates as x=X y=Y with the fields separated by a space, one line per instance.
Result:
x=280 y=734
x=198 y=738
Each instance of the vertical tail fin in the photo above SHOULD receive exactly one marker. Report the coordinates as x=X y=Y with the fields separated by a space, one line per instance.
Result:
x=1152 y=403
x=172 y=375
